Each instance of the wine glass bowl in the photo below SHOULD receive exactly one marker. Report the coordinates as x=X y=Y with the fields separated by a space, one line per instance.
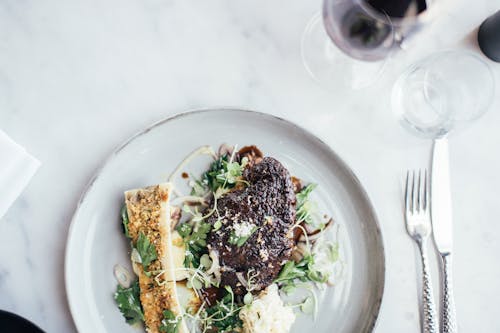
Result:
x=349 y=43
x=443 y=92
x=357 y=30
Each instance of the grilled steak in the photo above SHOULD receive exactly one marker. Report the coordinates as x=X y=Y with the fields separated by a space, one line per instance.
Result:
x=267 y=207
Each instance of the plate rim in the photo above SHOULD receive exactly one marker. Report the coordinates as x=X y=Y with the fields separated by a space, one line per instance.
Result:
x=87 y=188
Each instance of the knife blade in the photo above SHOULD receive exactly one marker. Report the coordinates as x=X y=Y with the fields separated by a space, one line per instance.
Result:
x=443 y=229
x=441 y=207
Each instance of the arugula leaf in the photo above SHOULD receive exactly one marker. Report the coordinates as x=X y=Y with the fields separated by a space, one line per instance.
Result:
x=170 y=323
x=129 y=303
x=147 y=251
x=305 y=207
x=125 y=220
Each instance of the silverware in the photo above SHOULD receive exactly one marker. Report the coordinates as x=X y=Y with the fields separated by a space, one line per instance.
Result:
x=443 y=229
x=418 y=225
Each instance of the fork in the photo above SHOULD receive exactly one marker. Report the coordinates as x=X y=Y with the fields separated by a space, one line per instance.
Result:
x=418 y=225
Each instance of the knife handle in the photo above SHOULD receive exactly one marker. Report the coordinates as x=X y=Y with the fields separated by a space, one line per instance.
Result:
x=429 y=307
x=448 y=314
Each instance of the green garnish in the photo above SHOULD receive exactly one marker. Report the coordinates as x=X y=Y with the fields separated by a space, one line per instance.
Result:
x=223 y=173
x=125 y=220
x=248 y=298
x=217 y=225
x=303 y=271
x=195 y=240
x=184 y=229
x=305 y=207
x=129 y=303
x=198 y=187
x=170 y=322
x=224 y=315
x=240 y=240
x=147 y=251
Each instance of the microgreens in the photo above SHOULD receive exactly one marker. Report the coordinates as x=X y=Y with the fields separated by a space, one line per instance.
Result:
x=198 y=187
x=170 y=322
x=223 y=316
x=303 y=271
x=224 y=173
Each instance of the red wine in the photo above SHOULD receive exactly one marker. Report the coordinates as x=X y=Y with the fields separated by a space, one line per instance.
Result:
x=362 y=30
x=399 y=8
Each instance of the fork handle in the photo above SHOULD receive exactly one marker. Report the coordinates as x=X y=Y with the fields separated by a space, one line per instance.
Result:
x=429 y=307
x=448 y=315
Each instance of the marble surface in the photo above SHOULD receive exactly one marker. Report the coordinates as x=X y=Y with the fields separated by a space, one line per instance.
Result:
x=79 y=77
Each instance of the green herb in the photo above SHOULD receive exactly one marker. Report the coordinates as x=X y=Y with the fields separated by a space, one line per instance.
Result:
x=240 y=240
x=195 y=240
x=170 y=322
x=147 y=251
x=129 y=303
x=303 y=271
x=248 y=298
x=198 y=187
x=205 y=261
x=305 y=207
x=184 y=229
x=125 y=220
x=223 y=173
x=217 y=225
x=224 y=315
x=195 y=283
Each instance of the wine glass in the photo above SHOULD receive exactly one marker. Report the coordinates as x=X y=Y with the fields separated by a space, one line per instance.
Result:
x=348 y=45
x=443 y=92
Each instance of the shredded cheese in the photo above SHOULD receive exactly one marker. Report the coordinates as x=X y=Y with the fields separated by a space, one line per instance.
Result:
x=243 y=229
x=267 y=313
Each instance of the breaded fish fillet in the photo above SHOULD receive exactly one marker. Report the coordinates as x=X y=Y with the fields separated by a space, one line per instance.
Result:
x=149 y=213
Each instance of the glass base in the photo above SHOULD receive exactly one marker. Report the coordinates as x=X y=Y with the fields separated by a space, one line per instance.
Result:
x=330 y=66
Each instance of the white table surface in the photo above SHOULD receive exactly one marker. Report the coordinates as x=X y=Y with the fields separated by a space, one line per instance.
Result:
x=79 y=77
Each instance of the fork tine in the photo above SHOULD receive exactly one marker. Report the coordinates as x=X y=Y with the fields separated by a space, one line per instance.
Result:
x=413 y=196
x=407 y=192
x=419 y=191
x=425 y=194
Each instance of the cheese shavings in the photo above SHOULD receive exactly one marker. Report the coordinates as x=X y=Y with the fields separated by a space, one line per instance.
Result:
x=267 y=313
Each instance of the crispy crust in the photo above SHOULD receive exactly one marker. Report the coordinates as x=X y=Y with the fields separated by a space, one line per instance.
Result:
x=149 y=213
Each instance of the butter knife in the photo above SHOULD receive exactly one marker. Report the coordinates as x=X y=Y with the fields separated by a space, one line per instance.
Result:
x=443 y=229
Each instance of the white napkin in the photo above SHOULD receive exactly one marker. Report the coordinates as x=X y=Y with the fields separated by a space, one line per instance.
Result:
x=16 y=169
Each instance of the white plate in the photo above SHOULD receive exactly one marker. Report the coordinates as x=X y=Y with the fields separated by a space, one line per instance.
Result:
x=96 y=243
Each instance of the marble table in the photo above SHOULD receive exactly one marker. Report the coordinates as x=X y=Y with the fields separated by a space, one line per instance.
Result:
x=79 y=77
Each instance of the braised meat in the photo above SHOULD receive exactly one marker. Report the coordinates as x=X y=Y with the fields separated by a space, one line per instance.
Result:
x=263 y=211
